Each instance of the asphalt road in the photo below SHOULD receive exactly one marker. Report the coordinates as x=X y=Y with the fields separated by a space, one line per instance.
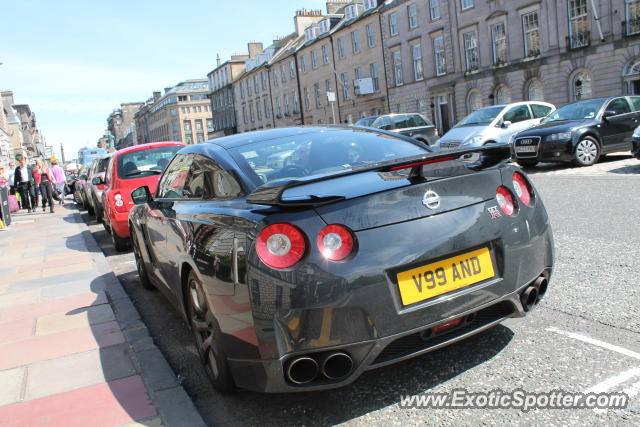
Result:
x=593 y=293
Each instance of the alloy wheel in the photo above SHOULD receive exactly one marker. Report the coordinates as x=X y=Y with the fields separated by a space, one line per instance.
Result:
x=587 y=152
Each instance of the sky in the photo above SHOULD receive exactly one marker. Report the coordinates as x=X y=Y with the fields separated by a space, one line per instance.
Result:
x=75 y=61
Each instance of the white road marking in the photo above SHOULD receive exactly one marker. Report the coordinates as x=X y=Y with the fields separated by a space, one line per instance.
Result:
x=609 y=383
x=596 y=342
x=606 y=385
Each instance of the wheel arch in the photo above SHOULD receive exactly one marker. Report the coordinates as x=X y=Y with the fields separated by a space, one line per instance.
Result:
x=587 y=133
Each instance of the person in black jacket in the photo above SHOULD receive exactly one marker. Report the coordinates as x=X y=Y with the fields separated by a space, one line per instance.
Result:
x=25 y=184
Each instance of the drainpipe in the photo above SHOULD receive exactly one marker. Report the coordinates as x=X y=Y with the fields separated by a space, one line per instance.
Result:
x=597 y=19
x=384 y=60
x=335 y=78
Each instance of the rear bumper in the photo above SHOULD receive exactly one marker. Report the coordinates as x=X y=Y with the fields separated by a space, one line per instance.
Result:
x=269 y=375
x=119 y=223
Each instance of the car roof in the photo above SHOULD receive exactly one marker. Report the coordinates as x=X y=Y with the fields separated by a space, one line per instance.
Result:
x=241 y=139
x=148 y=145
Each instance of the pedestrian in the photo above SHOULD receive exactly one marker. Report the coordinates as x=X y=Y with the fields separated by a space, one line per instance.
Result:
x=61 y=179
x=25 y=183
x=46 y=181
x=12 y=172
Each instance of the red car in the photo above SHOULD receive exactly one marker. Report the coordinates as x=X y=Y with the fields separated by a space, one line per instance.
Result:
x=128 y=169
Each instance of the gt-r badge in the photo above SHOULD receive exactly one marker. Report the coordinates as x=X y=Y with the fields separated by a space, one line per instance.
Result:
x=431 y=200
x=494 y=211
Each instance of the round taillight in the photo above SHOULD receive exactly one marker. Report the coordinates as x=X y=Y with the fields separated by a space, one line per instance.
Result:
x=522 y=188
x=280 y=245
x=505 y=201
x=335 y=242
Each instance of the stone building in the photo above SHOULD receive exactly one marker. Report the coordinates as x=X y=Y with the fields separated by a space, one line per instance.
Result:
x=251 y=89
x=359 y=61
x=483 y=52
x=120 y=120
x=316 y=70
x=181 y=113
x=285 y=72
x=221 y=95
x=6 y=149
x=33 y=143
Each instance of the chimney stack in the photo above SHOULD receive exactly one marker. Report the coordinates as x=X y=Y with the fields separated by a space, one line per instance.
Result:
x=157 y=95
x=218 y=60
x=254 y=48
x=305 y=18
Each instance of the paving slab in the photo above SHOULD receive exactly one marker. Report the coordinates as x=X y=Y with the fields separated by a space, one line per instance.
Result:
x=94 y=286
x=16 y=330
x=13 y=299
x=51 y=281
x=78 y=370
x=58 y=322
x=46 y=347
x=107 y=404
x=65 y=304
x=11 y=389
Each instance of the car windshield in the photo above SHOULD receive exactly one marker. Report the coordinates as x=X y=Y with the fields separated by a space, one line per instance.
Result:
x=483 y=116
x=366 y=122
x=320 y=153
x=578 y=111
x=145 y=162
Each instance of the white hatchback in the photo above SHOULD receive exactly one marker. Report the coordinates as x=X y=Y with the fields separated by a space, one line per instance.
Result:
x=495 y=124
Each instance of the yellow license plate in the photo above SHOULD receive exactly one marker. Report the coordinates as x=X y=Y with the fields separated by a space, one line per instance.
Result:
x=422 y=283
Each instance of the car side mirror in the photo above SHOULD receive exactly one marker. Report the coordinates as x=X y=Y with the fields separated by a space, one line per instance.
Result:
x=141 y=195
x=609 y=113
x=505 y=124
x=97 y=180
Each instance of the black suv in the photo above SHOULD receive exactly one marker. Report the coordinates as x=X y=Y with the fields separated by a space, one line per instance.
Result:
x=580 y=132
x=413 y=125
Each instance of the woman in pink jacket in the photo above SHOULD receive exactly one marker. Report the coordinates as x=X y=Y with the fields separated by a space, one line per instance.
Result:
x=45 y=182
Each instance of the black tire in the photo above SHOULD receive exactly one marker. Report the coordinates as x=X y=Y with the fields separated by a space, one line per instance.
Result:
x=97 y=210
x=207 y=336
x=121 y=244
x=90 y=210
x=528 y=163
x=142 y=269
x=587 y=152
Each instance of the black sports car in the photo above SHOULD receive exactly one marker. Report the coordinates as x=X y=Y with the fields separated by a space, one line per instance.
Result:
x=359 y=249
x=580 y=132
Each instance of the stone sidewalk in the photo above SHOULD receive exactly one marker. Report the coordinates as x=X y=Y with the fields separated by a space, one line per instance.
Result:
x=73 y=349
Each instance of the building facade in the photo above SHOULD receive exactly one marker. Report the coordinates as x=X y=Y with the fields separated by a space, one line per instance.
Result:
x=120 y=121
x=359 y=62
x=222 y=97
x=182 y=113
x=476 y=53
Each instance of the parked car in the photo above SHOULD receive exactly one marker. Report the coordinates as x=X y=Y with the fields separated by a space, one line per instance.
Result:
x=635 y=143
x=580 y=132
x=77 y=190
x=304 y=276
x=413 y=125
x=127 y=170
x=495 y=124
x=93 y=191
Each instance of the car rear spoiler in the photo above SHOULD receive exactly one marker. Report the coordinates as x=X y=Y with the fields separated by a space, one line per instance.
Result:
x=270 y=194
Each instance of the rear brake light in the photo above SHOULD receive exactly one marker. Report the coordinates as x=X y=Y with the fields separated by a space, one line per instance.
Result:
x=119 y=203
x=280 y=245
x=523 y=189
x=100 y=186
x=335 y=242
x=505 y=200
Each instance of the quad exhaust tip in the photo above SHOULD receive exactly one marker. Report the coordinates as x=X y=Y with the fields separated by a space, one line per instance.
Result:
x=532 y=295
x=337 y=365
x=302 y=370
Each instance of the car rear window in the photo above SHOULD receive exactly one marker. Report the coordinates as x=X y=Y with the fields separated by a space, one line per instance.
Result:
x=320 y=153
x=145 y=162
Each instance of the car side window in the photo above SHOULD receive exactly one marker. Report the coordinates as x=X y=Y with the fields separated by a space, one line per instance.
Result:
x=619 y=106
x=517 y=114
x=221 y=184
x=540 y=111
x=383 y=122
x=417 y=120
x=635 y=100
x=402 y=121
x=109 y=173
x=172 y=183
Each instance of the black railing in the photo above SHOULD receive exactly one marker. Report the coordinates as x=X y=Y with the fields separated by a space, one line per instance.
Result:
x=579 y=40
x=631 y=27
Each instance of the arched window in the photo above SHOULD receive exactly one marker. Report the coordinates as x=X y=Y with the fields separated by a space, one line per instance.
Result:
x=631 y=75
x=502 y=95
x=535 y=90
x=581 y=86
x=474 y=101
